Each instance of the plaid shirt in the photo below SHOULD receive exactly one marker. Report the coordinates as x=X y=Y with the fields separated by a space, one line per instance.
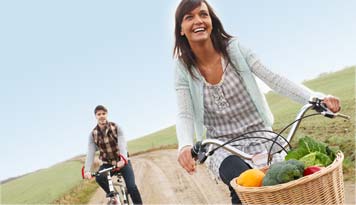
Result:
x=229 y=112
x=106 y=141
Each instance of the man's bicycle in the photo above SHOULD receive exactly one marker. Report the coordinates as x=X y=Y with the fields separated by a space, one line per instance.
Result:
x=118 y=192
x=327 y=185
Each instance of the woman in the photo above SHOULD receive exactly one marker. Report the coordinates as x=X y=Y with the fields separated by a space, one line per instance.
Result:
x=216 y=90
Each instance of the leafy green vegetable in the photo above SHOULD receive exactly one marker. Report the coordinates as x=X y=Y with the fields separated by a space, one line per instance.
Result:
x=312 y=152
x=316 y=159
x=308 y=159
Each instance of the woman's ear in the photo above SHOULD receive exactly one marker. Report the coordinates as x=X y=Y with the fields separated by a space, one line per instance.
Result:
x=181 y=33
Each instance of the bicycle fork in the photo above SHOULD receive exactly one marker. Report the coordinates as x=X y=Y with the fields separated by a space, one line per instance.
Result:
x=112 y=192
x=123 y=190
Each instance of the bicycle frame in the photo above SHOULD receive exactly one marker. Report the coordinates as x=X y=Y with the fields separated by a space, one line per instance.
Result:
x=123 y=196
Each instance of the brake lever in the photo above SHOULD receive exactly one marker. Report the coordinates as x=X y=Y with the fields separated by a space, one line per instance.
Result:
x=346 y=117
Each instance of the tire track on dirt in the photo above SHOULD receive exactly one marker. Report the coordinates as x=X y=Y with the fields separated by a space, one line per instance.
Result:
x=161 y=180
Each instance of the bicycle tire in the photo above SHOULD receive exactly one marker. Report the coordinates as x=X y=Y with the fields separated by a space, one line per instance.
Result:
x=125 y=196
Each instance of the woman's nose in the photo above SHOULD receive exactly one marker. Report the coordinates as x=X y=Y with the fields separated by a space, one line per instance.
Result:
x=198 y=20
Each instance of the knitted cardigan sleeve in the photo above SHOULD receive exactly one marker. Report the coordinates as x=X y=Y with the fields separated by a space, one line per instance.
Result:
x=185 y=122
x=278 y=83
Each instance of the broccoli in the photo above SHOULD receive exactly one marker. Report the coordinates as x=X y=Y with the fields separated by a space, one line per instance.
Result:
x=297 y=163
x=271 y=175
x=283 y=172
x=268 y=181
x=288 y=173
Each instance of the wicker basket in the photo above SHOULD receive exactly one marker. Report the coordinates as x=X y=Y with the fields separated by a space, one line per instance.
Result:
x=323 y=187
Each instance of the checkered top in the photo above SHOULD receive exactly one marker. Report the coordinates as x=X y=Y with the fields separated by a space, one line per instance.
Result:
x=228 y=112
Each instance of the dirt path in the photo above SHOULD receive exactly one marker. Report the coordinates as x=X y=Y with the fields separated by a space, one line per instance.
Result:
x=162 y=181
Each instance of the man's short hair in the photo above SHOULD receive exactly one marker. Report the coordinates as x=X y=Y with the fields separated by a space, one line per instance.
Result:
x=100 y=107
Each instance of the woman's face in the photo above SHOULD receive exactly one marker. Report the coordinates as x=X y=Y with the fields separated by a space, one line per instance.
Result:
x=196 y=25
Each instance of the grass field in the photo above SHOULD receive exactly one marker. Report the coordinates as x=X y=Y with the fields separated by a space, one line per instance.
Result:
x=335 y=132
x=159 y=139
x=44 y=186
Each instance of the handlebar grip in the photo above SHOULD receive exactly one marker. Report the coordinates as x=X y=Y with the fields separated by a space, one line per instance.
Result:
x=83 y=172
x=195 y=149
x=192 y=152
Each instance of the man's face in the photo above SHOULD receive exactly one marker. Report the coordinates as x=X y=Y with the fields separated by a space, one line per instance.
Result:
x=101 y=116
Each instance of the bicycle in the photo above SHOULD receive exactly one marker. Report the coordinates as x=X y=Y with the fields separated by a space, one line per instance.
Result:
x=200 y=152
x=118 y=189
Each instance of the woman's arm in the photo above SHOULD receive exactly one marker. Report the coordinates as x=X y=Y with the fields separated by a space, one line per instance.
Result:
x=280 y=84
x=185 y=124
x=283 y=86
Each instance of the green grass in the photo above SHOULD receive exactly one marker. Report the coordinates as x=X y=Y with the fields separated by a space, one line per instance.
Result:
x=44 y=186
x=162 y=138
x=81 y=194
x=335 y=132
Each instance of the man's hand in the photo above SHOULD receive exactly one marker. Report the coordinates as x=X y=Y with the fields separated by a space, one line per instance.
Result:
x=120 y=164
x=185 y=159
x=87 y=175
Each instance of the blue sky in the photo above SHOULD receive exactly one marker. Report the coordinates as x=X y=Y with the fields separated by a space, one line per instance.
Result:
x=59 y=59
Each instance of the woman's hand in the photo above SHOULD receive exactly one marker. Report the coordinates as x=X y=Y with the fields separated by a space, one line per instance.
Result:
x=186 y=160
x=333 y=103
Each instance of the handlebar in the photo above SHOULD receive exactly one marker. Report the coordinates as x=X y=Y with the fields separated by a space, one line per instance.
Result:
x=93 y=174
x=200 y=153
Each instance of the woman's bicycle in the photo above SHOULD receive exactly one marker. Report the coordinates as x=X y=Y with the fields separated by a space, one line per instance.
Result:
x=200 y=151
x=331 y=175
x=118 y=192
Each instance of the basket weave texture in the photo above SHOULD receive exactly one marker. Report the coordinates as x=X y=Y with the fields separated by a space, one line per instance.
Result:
x=323 y=187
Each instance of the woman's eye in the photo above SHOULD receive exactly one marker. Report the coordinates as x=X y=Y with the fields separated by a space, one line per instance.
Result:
x=204 y=14
x=188 y=17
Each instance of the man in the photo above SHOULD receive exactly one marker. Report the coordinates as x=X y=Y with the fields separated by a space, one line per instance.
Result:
x=107 y=137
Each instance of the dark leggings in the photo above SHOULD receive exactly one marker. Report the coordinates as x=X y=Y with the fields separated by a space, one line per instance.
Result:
x=129 y=177
x=231 y=167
